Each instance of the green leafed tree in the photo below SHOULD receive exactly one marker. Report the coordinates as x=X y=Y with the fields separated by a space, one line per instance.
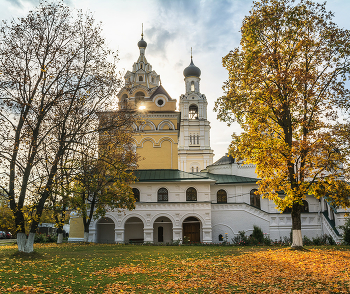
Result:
x=286 y=88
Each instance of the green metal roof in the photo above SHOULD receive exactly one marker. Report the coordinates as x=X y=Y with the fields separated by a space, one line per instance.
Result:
x=166 y=175
x=229 y=179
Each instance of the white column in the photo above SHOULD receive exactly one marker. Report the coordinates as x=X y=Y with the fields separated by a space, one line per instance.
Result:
x=119 y=235
x=148 y=235
x=207 y=235
x=177 y=234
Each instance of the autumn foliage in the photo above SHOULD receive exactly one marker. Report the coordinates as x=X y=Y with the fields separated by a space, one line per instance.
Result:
x=175 y=269
x=286 y=88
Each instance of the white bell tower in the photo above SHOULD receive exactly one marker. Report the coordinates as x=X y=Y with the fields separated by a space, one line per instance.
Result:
x=194 y=150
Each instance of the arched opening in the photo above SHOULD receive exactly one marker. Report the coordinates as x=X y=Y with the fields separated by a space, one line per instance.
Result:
x=254 y=199
x=221 y=196
x=191 y=230
x=139 y=97
x=162 y=230
x=105 y=230
x=133 y=230
x=193 y=112
x=191 y=194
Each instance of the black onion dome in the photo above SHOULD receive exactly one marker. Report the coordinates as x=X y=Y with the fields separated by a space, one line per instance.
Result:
x=142 y=43
x=192 y=70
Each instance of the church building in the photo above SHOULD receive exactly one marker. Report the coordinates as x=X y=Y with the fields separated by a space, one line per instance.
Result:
x=181 y=194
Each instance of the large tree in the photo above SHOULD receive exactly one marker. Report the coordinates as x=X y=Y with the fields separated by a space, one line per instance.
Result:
x=55 y=75
x=103 y=179
x=286 y=89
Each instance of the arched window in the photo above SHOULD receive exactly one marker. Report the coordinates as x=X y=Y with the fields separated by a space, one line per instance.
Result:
x=192 y=86
x=254 y=199
x=191 y=194
x=140 y=78
x=193 y=112
x=139 y=96
x=136 y=194
x=152 y=79
x=162 y=194
x=221 y=196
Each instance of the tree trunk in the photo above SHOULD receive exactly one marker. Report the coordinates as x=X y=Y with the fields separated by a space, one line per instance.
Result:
x=24 y=244
x=86 y=236
x=297 y=241
x=59 y=238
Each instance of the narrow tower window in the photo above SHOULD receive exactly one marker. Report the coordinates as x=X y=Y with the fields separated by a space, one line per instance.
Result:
x=193 y=112
x=192 y=86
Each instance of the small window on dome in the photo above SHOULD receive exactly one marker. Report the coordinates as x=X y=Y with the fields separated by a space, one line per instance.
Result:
x=140 y=78
x=192 y=86
x=160 y=102
x=152 y=79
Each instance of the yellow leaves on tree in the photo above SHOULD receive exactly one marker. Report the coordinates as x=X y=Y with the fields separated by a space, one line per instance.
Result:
x=284 y=90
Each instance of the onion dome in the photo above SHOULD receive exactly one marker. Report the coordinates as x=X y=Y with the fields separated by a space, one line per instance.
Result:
x=192 y=70
x=142 y=43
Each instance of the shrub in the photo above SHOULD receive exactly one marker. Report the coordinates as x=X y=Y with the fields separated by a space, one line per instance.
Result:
x=240 y=240
x=43 y=238
x=267 y=241
x=258 y=234
x=307 y=241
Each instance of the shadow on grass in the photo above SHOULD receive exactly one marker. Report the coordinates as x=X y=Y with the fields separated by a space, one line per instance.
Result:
x=27 y=256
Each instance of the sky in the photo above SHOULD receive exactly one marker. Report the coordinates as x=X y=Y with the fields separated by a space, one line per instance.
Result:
x=171 y=28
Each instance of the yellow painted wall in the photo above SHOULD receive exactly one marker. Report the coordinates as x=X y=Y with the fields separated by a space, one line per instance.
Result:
x=157 y=151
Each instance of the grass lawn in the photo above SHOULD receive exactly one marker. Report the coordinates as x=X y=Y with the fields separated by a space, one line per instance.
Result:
x=80 y=268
